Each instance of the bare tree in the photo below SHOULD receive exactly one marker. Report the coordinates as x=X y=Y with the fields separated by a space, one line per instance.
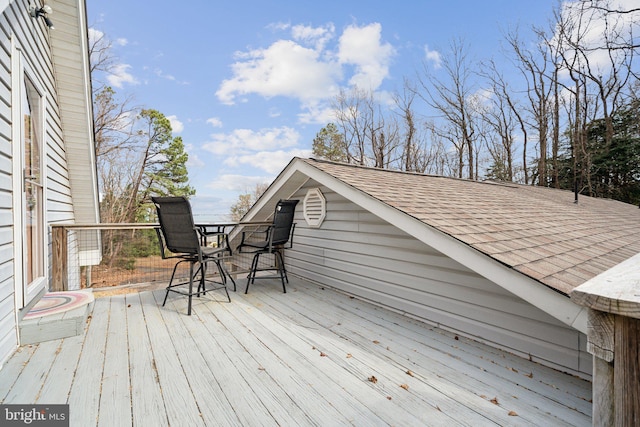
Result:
x=439 y=159
x=501 y=117
x=246 y=200
x=413 y=155
x=100 y=57
x=625 y=17
x=451 y=98
x=133 y=160
x=352 y=122
x=537 y=68
x=599 y=59
x=595 y=48
x=371 y=139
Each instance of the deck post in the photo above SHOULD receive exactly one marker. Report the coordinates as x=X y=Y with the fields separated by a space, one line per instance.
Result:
x=613 y=338
x=59 y=265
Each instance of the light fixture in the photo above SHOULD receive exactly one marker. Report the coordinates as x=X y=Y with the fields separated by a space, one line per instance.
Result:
x=42 y=12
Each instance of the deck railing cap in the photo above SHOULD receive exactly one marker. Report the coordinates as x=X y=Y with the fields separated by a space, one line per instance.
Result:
x=616 y=291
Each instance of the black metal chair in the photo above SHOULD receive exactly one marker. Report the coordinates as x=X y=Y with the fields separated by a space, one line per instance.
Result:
x=179 y=235
x=277 y=237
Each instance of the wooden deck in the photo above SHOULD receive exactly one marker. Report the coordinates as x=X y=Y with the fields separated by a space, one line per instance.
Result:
x=308 y=357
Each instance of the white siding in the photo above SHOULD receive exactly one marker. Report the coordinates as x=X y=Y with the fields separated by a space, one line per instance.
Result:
x=358 y=253
x=8 y=335
x=32 y=39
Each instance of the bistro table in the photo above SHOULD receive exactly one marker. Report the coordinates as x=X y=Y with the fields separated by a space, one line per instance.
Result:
x=216 y=232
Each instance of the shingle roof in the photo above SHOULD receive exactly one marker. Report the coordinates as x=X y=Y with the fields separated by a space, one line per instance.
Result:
x=537 y=231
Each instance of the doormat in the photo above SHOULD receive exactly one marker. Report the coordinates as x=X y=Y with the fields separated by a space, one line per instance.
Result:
x=58 y=302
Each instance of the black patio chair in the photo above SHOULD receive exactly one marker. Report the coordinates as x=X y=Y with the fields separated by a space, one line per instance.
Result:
x=277 y=237
x=179 y=235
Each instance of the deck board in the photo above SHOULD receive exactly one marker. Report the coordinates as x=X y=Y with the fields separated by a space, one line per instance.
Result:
x=37 y=369
x=247 y=358
x=371 y=354
x=58 y=382
x=207 y=370
x=511 y=376
x=331 y=353
x=146 y=396
x=84 y=396
x=12 y=369
x=115 y=396
x=300 y=369
x=303 y=358
x=182 y=408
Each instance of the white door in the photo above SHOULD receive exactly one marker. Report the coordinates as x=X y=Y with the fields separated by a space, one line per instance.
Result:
x=29 y=224
x=32 y=189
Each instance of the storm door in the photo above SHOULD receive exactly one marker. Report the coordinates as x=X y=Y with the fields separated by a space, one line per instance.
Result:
x=29 y=233
x=33 y=194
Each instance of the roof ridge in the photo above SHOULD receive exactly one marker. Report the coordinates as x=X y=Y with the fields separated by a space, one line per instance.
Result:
x=356 y=166
x=353 y=165
x=505 y=184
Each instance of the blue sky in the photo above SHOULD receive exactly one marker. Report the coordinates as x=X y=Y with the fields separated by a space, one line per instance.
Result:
x=247 y=84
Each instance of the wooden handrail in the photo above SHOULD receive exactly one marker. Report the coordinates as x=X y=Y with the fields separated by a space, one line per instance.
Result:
x=613 y=338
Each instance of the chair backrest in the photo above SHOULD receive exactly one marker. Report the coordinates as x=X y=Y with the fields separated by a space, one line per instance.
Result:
x=282 y=222
x=176 y=222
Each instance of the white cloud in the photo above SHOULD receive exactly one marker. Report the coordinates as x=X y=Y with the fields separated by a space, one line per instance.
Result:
x=433 y=56
x=274 y=112
x=119 y=75
x=94 y=35
x=239 y=183
x=242 y=141
x=363 y=47
x=279 y=26
x=283 y=69
x=215 y=122
x=176 y=125
x=121 y=41
x=317 y=37
x=161 y=74
x=309 y=68
x=317 y=114
x=269 y=161
x=193 y=160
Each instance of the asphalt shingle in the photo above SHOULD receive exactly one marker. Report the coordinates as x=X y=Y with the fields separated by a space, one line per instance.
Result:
x=538 y=231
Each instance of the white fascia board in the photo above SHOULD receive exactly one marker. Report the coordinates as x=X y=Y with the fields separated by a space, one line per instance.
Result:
x=539 y=295
x=76 y=79
x=88 y=99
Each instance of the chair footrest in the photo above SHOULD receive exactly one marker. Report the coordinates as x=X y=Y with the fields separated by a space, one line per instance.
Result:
x=253 y=273
x=183 y=288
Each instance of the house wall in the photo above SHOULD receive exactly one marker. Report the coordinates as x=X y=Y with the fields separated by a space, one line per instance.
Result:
x=7 y=319
x=356 y=252
x=31 y=37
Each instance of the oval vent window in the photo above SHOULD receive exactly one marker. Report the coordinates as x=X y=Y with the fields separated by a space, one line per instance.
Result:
x=314 y=207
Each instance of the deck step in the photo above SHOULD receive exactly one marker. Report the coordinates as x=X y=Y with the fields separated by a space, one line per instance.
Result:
x=68 y=318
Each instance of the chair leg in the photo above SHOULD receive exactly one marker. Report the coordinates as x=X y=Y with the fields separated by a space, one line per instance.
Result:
x=170 y=282
x=223 y=278
x=224 y=274
x=202 y=269
x=281 y=270
x=190 y=288
x=252 y=272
